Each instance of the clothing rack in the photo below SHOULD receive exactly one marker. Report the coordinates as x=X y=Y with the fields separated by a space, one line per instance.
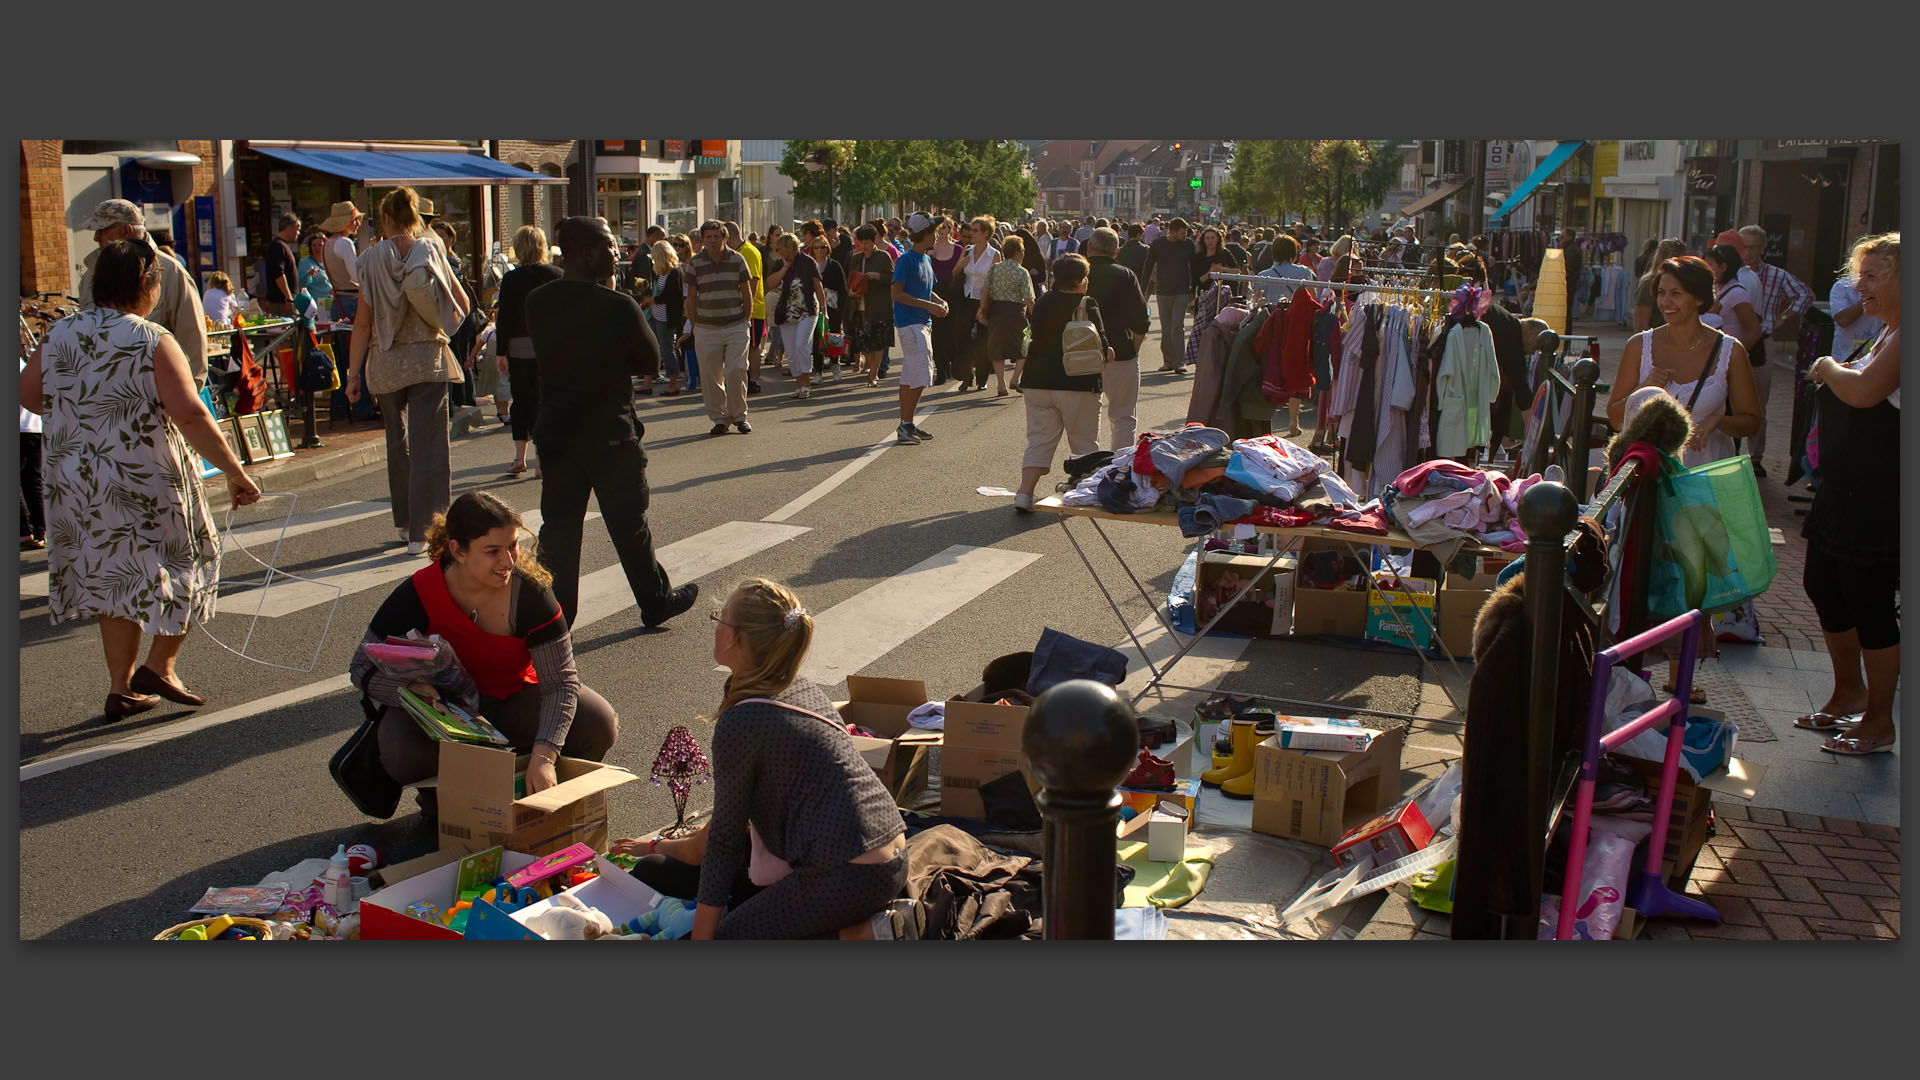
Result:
x=1341 y=286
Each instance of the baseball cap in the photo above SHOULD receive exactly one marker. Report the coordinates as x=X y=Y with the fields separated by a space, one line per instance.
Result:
x=918 y=223
x=114 y=212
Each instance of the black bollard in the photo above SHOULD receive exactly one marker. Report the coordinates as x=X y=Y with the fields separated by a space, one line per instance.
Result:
x=1080 y=740
x=1585 y=373
x=1504 y=793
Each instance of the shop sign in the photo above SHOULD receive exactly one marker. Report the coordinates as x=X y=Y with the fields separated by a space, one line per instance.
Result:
x=1499 y=164
x=1703 y=181
x=1638 y=150
x=673 y=148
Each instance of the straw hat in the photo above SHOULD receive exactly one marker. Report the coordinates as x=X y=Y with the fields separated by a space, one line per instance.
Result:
x=340 y=217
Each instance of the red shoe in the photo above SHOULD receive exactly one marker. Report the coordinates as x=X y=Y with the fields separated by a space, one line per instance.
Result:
x=1153 y=773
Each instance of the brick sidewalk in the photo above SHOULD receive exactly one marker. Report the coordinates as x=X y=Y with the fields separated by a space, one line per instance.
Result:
x=1792 y=877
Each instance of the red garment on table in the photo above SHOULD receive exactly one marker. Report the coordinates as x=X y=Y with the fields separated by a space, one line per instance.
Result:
x=1289 y=351
x=1142 y=458
x=1372 y=522
x=1283 y=517
x=499 y=663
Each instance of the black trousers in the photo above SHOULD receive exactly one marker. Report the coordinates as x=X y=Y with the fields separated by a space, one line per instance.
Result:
x=970 y=364
x=33 y=509
x=523 y=377
x=617 y=477
x=943 y=343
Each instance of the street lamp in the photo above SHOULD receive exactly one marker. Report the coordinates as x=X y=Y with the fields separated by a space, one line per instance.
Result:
x=816 y=161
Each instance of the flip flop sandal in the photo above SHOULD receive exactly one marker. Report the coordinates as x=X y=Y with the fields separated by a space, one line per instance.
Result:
x=1821 y=721
x=1853 y=747
x=516 y=470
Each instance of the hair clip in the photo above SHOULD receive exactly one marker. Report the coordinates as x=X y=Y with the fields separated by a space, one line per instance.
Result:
x=792 y=618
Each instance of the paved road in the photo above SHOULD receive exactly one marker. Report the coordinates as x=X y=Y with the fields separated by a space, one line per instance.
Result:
x=912 y=573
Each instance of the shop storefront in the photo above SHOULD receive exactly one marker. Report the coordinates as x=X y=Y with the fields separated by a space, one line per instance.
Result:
x=306 y=178
x=172 y=181
x=673 y=183
x=1816 y=197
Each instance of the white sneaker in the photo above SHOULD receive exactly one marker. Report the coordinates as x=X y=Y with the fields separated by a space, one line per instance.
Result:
x=416 y=547
x=1023 y=503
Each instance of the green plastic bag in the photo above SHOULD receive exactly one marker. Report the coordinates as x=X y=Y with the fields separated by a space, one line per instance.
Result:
x=1711 y=548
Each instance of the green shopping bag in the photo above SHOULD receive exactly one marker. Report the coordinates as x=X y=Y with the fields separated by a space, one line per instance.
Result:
x=1711 y=548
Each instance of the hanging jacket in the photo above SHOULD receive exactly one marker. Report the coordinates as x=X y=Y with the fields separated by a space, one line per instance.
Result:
x=1467 y=383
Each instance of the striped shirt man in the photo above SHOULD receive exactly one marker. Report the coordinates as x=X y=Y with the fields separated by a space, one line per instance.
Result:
x=1780 y=293
x=715 y=284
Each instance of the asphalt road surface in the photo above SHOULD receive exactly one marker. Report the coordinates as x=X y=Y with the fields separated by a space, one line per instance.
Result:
x=910 y=571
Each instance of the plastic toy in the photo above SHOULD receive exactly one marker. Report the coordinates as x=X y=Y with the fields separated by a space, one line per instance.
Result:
x=362 y=859
x=192 y=933
x=671 y=918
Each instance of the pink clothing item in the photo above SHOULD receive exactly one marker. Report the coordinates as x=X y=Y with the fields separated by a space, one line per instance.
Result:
x=1371 y=519
x=1413 y=480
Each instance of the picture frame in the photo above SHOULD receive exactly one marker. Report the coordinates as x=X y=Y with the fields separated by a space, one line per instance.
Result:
x=230 y=431
x=279 y=442
x=253 y=436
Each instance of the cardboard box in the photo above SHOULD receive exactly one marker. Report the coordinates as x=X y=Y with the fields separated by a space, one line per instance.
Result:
x=1339 y=612
x=899 y=754
x=1270 y=589
x=1393 y=835
x=478 y=810
x=383 y=914
x=982 y=745
x=1321 y=733
x=1692 y=808
x=1318 y=795
x=1185 y=794
x=983 y=726
x=618 y=894
x=1458 y=609
x=1386 y=611
x=1167 y=828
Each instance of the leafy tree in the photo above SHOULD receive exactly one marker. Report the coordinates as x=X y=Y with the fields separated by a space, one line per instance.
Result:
x=1330 y=176
x=810 y=186
x=975 y=176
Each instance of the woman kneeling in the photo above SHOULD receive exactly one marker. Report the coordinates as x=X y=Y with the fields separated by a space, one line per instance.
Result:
x=804 y=839
x=490 y=600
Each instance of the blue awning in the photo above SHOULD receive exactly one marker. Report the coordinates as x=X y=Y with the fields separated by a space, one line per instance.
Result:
x=391 y=168
x=1539 y=176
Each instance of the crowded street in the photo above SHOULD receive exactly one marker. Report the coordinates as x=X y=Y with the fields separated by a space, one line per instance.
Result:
x=476 y=535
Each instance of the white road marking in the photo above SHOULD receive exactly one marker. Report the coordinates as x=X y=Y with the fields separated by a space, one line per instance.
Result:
x=823 y=488
x=605 y=592
x=857 y=631
x=287 y=597
x=686 y=560
x=260 y=536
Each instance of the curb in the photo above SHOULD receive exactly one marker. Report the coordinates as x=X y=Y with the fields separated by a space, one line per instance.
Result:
x=305 y=470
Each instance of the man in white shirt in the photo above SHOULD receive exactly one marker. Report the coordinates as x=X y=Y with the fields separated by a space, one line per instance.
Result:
x=1851 y=325
x=341 y=258
x=178 y=309
x=1080 y=234
x=1780 y=300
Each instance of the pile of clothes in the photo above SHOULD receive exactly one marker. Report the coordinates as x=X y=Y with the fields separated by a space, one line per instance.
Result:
x=1212 y=480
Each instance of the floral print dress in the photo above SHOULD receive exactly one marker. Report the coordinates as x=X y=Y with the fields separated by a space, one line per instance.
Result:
x=129 y=534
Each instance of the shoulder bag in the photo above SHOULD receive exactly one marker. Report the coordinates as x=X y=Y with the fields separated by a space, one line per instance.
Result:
x=1081 y=352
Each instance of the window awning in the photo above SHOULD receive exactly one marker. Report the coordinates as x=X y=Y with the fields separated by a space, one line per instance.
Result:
x=391 y=168
x=1550 y=165
x=1430 y=199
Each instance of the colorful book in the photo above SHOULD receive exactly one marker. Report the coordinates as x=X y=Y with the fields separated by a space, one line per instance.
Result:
x=443 y=721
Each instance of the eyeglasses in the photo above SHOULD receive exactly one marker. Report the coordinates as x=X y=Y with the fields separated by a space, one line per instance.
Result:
x=715 y=616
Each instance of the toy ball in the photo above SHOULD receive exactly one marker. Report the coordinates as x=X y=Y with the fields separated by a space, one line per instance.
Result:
x=361 y=859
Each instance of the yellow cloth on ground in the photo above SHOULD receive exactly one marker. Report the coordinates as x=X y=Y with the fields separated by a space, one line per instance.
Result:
x=1165 y=884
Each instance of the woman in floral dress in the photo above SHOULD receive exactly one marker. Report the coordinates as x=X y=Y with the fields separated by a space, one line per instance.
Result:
x=130 y=540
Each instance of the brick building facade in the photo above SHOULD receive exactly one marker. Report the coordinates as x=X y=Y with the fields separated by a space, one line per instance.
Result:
x=45 y=216
x=534 y=204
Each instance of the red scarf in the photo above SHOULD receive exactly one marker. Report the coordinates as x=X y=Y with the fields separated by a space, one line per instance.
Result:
x=499 y=663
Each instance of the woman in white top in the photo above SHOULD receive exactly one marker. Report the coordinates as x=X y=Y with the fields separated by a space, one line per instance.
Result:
x=218 y=300
x=1732 y=308
x=1703 y=368
x=970 y=364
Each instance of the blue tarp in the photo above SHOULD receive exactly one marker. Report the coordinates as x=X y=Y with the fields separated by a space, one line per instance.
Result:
x=390 y=168
x=1539 y=176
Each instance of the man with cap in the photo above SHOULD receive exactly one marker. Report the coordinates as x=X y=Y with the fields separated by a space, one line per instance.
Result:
x=178 y=309
x=914 y=308
x=341 y=258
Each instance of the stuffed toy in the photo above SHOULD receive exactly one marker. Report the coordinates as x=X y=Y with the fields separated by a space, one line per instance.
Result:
x=1654 y=417
x=567 y=919
x=670 y=919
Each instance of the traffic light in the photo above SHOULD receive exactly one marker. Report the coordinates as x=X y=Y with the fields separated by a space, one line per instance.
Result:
x=1173 y=189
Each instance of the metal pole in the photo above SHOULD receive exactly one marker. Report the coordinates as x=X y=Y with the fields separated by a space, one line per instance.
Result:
x=1080 y=740
x=1585 y=372
x=1504 y=793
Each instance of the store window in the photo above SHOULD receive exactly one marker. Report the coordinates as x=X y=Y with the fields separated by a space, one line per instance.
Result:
x=728 y=189
x=678 y=206
x=623 y=202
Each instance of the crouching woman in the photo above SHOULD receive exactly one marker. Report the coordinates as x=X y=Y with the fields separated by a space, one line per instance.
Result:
x=491 y=601
x=804 y=840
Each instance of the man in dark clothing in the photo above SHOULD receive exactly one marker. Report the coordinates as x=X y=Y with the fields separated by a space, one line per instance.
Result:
x=1170 y=279
x=591 y=341
x=1116 y=292
x=1571 y=255
x=1236 y=243
x=1133 y=254
x=283 y=273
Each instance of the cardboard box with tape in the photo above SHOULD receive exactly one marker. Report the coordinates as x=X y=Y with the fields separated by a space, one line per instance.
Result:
x=982 y=745
x=1318 y=795
x=481 y=804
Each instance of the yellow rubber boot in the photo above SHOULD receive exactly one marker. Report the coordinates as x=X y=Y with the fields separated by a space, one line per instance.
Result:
x=1241 y=786
x=1242 y=756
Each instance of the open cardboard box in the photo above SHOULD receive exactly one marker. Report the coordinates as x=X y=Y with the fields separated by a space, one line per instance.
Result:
x=899 y=755
x=1459 y=609
x=1276 y=587
x=478 y=809
x=1319 y=795
x=1693 y=805
x=434 y=878
x=617 y=893
x=982 y=745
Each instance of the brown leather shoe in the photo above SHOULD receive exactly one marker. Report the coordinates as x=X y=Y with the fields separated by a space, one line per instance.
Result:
x=148 y=681
x=120 y=706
